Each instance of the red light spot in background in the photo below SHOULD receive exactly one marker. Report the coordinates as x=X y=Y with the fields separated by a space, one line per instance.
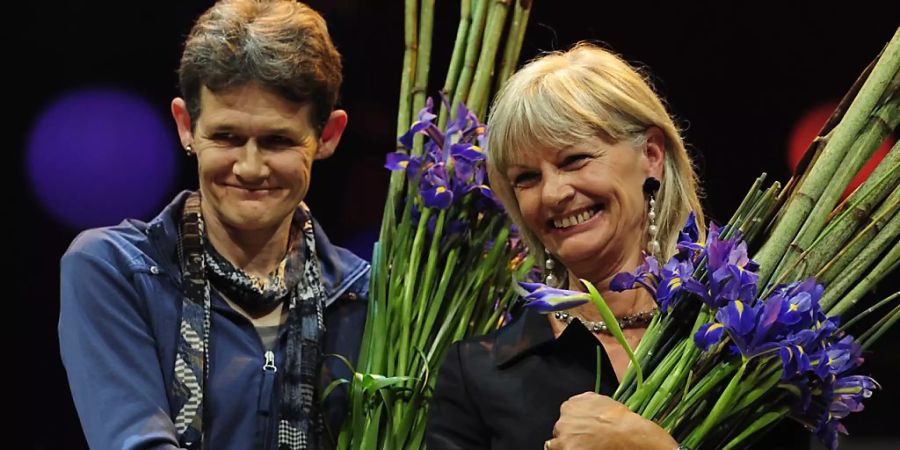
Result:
x=806 y=129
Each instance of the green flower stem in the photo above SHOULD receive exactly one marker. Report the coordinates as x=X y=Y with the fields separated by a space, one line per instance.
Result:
x=869 y=310
x=427 y=283
x=521 y=11
x=643 y=394
x=407 y=299
x=761 y=213
x=672 y=382
x=678 y=379
x=481 y=83
x=885 y=267
x=763 y=422
x=721 y=407
x=613 y=325
x=838 y=264
x=644 y=350
x=886 y=323
x=423 y=64
x=857 y=209
x=749 y=200
x=473 y=45
x=759 y=385
x=884 y=239
x=459 y=48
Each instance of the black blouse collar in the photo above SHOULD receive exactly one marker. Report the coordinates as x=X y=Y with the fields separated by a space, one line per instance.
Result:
x=532 y=332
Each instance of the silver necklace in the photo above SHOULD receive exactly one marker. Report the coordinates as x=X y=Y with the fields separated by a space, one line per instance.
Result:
x=636 y=320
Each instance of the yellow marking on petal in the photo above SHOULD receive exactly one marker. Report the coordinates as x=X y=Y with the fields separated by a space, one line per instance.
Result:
x=516 y=261
x=441 y=189
x=793 y=307
x=674 y=282
x=479 y=130
x=714 y=326
x=403 y=164
x=476 y=148
x=739 y=306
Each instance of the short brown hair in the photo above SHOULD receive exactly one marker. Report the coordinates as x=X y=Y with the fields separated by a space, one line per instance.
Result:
x=282 y=45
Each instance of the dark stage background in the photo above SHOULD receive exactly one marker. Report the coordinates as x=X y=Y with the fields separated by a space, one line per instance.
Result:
x=738 y=77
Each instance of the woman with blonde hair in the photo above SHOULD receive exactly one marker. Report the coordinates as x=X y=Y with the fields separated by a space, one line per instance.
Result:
x=593 y=171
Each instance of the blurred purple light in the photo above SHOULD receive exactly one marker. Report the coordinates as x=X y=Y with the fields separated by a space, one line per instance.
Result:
x=98 y=156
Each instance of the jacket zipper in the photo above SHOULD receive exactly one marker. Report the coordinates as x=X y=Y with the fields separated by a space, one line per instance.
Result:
x=265 y=395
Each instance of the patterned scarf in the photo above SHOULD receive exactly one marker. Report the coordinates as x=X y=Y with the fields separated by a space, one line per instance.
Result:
x=296 y=282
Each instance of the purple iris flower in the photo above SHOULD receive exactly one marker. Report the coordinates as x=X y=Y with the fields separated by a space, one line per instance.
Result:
x=402 y=161
x=647 y=275
x=677 y=277
x=801 y=310
x=468 y=151
x=452 y=163
x=739 y=319
x=437 y=196
x=837 y=357
x=853 y=389
x=423 y=124
x=690 y=232
x=797 y=308
x=689 y=243
x=463 y=172
x=794 y=360
x=466 y=125
x=545 y=299
x=824 y=403
x=458 y=124
x=708 y=335
x=488 y=201
x=733 y=274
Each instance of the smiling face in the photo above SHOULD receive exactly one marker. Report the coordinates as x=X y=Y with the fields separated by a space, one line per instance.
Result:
x=255 y=151
x=585 y=203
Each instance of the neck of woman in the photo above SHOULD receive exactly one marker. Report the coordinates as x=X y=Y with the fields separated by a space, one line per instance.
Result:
x=621 y=304
x=256 y=252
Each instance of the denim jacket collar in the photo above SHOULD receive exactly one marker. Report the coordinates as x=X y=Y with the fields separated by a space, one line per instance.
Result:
x=340 y=267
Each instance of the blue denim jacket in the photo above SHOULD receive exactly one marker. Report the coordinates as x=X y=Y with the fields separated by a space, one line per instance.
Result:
x=120 y=312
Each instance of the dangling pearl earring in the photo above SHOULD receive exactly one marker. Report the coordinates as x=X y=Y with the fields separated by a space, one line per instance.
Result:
x=550 y=279
x=188 y=150
x=651 y=185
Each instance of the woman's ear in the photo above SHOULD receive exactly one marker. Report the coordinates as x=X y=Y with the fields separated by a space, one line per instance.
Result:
x=655 y=152
x=331 y=133
x=182 y=121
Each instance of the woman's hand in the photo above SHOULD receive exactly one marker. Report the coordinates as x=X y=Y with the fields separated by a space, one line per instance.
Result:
x=593 y=421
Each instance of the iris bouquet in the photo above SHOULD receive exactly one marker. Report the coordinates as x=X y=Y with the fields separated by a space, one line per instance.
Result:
x=442 y=264
x=742 y=343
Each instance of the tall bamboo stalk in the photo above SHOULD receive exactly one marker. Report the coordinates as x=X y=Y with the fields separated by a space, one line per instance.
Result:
x=839 y=141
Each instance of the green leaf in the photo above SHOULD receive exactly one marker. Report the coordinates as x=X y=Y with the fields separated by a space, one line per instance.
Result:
x=613 y=325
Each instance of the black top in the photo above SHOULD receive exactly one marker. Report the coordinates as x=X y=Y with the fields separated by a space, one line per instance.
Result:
x=503 y=390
